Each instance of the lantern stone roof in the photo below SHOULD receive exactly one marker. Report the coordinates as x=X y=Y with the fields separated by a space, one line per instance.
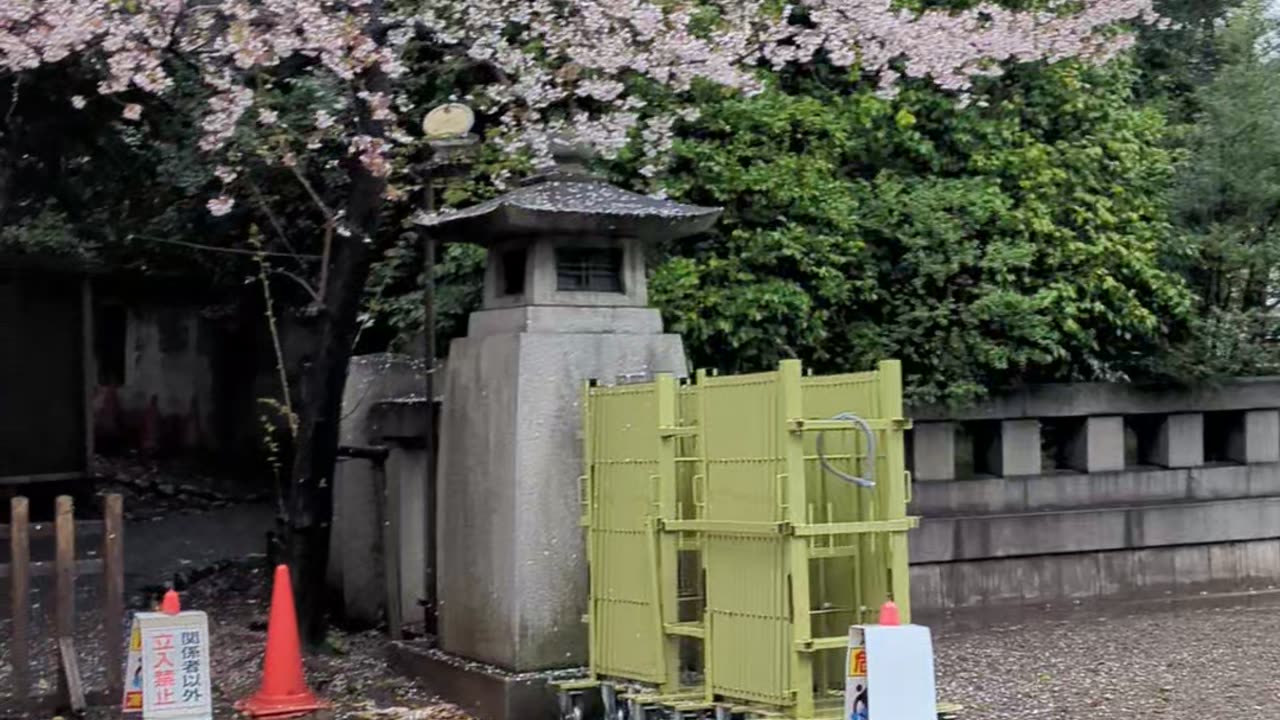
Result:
x=569 y=202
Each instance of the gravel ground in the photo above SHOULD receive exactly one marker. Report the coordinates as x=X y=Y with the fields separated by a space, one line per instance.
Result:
x=43 y=651
x=1153 y=660
x=211 y=532
x=354 y=677
x=1196 y=658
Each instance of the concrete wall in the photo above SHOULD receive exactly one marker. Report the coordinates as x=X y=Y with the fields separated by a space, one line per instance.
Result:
x=356 y=565
x=174 y=379
x=1069 y=492
x=166 y=399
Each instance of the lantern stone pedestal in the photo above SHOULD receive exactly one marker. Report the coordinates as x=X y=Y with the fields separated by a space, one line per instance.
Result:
x=512 y=565
x=565 y=301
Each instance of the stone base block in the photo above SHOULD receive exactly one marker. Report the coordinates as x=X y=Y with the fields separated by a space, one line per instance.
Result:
x=485 y=692
x=1098 y=445
x=1013 y=450
x=934 y=451
x=1256 y=439
x=1180 y=441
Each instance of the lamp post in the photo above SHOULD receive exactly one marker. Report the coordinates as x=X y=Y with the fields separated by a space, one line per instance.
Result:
x=448 y=132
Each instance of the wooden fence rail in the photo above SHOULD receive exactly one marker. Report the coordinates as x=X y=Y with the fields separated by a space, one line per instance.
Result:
x=65 y=568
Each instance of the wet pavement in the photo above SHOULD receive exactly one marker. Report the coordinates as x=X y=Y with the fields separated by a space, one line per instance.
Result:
x=1212 y=657
x=156 y=548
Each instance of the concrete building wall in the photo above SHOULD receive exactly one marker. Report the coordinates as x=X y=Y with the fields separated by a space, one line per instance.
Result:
x=175 y=376
x=168 y=357
x=1141 y=492
x=163 y=395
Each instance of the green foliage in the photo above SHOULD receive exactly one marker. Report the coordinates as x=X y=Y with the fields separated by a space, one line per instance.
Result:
x=48 y=234
x=1228 y=202
x=1176 y=61
x=1220 y=343
x=394 y=308
x=1017 y=239
x=1025 y=237
x=85 y=184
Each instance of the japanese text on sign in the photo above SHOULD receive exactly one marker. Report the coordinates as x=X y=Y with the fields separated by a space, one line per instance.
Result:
x=175 y=651
x=162 y=650
x=857 y=662
x=192 y=675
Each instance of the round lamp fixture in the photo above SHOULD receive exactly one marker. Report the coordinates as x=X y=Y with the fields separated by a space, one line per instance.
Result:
x=453 y=120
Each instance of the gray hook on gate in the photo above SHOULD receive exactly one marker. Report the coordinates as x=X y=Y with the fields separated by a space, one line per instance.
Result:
x=858 y=422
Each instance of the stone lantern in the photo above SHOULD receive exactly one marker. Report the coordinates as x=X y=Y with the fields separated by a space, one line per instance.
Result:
x=565 y=300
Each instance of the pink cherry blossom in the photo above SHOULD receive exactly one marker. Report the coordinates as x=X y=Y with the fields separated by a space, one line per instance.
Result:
x=379 y=106
x=220 y=205
x=372 y=153
x=132 y=111
x=558 y=66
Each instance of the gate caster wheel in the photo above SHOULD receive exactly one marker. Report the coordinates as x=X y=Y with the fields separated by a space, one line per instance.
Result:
x=572 y=706
x=613 y=710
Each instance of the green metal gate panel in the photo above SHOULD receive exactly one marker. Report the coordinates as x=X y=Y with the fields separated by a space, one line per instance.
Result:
x=622 y=448
x=713 y=521
x=748 y=608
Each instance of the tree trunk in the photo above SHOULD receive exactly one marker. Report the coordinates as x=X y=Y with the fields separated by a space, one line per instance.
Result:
x=311 y=490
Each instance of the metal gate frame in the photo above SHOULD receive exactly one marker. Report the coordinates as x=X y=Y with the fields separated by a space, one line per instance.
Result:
x=710 y=520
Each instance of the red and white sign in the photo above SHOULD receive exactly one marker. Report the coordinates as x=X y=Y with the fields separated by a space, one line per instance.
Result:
x=175 y=666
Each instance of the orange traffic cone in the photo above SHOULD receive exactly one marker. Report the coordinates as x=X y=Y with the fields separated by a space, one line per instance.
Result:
x=170 y=605
x=889 y=614
x=284 y=691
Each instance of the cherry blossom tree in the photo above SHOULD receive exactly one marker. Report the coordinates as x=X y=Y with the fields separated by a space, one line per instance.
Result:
x=545 y=68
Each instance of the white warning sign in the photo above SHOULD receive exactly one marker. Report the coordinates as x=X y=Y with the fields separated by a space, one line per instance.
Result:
x=175 y=666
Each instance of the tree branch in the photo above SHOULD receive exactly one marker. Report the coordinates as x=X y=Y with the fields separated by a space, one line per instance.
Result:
x=324 y=259
x=215 y=248
x=271 y=216
x=301 y=281
x=315 y=196
x=13 y=100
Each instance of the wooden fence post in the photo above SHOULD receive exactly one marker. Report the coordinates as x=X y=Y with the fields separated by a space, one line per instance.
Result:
x=65 y=582
x=65 y=568
x=113 y=572
x=19 y=590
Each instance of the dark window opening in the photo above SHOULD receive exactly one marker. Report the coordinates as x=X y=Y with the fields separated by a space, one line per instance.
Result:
x=589 y=269
x=1223 y=437
x=513 y=265
x=110 y=327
